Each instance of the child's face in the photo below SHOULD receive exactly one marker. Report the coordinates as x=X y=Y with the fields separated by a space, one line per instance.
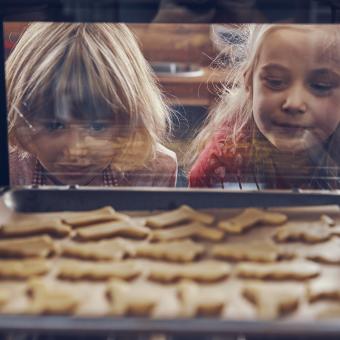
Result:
x=296 y=89
x=73 y=152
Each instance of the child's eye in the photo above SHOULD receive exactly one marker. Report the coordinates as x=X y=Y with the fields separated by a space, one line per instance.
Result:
x=54 y=126
x=321 y=88
x=275 y=83
x=95 y=126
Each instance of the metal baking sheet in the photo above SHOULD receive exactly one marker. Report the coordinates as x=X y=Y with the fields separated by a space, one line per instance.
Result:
x=201 y=326
x=55 y=199
x=45 y=199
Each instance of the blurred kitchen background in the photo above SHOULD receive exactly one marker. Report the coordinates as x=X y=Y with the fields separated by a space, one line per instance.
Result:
x=183 y=56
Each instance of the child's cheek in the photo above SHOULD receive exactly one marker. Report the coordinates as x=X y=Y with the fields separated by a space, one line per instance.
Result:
x=99 y=148
x=46 y=148
x=262 y=113
x=263 y=105
x=325 y=117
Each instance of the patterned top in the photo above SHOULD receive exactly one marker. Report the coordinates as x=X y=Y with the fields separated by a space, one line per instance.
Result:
x=40 y=176
x=254 y=162
x=161 y=171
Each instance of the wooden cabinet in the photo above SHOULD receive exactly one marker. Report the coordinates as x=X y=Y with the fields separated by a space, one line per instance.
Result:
x=194 y=91
x=185 y=43
x=12 y=32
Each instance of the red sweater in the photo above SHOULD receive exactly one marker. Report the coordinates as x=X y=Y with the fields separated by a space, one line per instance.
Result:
x=221 y=160
x=252 y=160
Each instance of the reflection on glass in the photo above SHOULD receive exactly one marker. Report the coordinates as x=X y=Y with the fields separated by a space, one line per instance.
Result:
x=262 y=112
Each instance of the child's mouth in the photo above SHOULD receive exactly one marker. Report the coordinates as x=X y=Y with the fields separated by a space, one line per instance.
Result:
x=74 y=166
x=290 y=129
x=289 y=125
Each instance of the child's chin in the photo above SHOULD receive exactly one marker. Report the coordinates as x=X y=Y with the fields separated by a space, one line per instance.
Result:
x=73 y=180
x=291 y=146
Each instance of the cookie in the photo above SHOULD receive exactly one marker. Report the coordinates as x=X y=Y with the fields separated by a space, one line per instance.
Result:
x=23 y=269
x=296 y=270
x=124 y=228
x=127 y=300
x=309 y=232
x=272 y=301
x=327 y=252
x=196 y=301
x=82 y=218
x=183 y=214
x=81 y=270
x=323 y=288
x=254 y=251
x=34 y=226
x=50 y=299
x=115 y=250
x=178 y=251
x=38 y=246
x=204 y=271
x=192 y=230
x=249 y=218
x=327 y=220
x=329 y=313
x=4 y=296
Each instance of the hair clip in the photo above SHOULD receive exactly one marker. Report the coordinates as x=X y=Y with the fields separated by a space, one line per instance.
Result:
x=23 y=117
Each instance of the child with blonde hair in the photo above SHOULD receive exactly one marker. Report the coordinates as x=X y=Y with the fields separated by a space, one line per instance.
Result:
x=277 y=125
x=84 y=109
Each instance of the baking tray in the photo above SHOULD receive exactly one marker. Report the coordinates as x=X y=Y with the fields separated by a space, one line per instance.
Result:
x=200 y=326
x=47 y=199
x=65 y=198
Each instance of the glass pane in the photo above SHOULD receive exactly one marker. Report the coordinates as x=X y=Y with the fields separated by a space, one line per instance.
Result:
x=233 y=106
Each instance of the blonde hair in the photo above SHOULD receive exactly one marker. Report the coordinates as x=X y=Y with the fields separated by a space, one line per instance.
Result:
x=88 y=69
x=235 y=106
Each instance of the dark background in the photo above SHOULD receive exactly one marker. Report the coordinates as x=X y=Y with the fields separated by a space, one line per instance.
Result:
x=146 y=10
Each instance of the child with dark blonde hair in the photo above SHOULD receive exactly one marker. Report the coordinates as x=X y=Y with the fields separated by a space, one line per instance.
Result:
x=84 y=109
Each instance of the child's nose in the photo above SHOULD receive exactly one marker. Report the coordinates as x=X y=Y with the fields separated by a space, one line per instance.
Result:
x=75 y=143
x=295 y=101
